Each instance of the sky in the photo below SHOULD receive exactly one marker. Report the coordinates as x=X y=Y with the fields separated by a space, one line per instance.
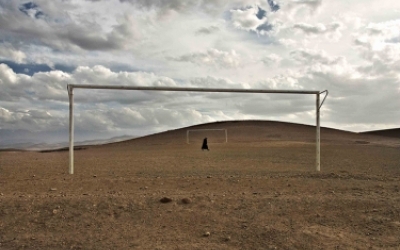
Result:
x=350 y=48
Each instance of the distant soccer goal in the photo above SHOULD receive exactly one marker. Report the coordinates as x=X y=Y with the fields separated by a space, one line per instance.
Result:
x=213 y=135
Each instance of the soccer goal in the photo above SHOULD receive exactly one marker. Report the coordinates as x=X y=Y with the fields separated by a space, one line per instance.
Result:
x=71 y=87
x=217 y=135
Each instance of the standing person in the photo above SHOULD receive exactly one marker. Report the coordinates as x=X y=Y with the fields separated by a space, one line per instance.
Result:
x=205 y=146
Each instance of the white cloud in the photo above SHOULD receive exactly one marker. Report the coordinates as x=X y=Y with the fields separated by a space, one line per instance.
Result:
x=378 y=45
x=207 y=30
x=31 y=119
x=287 y=42
x=212 y=57
x=62 y=31
x=246 y=19
x=171 y=7
x=313 y=4
x=331 y=30
x=293 y=9
x=7 y=52
x=309 y=56
x=271 y=59
x=11 y=84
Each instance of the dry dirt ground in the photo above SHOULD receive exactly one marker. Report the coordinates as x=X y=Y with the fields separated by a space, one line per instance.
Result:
x=258 y=191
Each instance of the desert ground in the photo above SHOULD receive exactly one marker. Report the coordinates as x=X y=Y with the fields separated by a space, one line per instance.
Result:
x=258 y=191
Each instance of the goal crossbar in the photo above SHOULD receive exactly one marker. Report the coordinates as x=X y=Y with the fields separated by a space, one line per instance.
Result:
x=70 y=88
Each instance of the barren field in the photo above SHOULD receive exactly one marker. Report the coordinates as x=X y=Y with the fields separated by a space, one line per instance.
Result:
x=258 y=191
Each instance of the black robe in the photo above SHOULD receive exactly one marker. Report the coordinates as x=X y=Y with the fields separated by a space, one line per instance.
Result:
x=204 y=146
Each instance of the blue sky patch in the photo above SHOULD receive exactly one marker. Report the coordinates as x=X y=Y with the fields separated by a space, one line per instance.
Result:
x=261 y=13
x=264 y=27
x=31 y=9
x=274 y=6
x=31 y=69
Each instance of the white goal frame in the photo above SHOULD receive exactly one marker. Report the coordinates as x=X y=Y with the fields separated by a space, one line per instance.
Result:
x=210 y=129
x=71 y=87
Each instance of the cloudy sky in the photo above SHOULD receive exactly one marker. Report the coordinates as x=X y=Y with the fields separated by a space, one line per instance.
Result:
x=351 y=48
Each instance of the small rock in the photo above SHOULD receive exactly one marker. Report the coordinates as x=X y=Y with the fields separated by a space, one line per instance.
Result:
x=94 y=176
x=186 y=201
x=165 y=200
x=206 y=234
x=53 y=189
x=227 y=238
x=1 y=194
x=55 y=211
x=208 y=176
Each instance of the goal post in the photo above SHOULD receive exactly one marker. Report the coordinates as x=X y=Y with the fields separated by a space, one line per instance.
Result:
x=225 y=131
x=71 y=87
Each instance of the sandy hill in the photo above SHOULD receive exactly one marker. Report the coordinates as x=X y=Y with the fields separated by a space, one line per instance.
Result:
x=394 y=133
x=259 y=131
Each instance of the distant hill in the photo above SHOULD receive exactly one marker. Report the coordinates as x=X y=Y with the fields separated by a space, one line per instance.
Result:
x=257 y=131
x=395 y=132
x=243 y=131
x=49 y=147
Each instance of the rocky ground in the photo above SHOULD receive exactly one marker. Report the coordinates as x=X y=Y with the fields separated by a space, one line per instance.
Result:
x=154 y=193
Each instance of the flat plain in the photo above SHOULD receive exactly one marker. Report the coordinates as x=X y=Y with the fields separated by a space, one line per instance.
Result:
x=260 y=190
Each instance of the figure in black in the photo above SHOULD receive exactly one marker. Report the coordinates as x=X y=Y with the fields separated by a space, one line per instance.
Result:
x=205 y=146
